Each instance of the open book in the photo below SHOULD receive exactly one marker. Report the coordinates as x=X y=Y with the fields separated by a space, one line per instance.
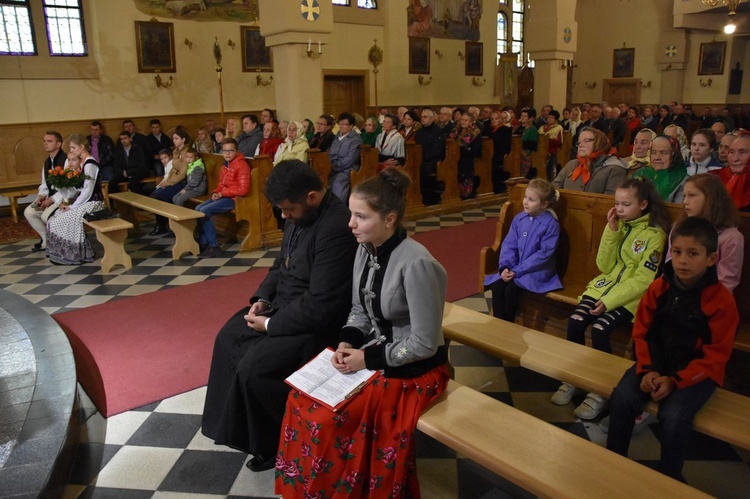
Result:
x=320 y=381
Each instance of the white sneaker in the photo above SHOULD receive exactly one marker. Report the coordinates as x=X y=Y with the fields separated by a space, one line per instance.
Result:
x=564 y=394
x=641 y=422
x=591 y=407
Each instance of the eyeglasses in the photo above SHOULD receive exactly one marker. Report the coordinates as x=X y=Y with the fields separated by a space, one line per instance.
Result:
x=227 y=150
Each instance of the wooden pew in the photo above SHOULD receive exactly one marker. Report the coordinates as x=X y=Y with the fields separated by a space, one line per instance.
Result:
x=244 y=221
x=411 y=168
x=512 y=163
x=563 y=154
x=583 y=218
x=483 y=167
x=368 y=165
x=448 y=172
x=321 y=163
x=181 y=220
x=537 y=456
x=112 y=233
x=539 y=157
x=269 y=229
x=725 y=416
x=14 y=196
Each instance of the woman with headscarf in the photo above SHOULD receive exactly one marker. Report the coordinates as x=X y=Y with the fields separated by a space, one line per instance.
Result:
x=594 y=169
x=371 y=131
x=676 y=132
x=469 y=139
x=309 y=127
x=667 y=171
x=641 y=157
x=574 y=122
x=295 y=146
x=271 y=140
x=736 y=177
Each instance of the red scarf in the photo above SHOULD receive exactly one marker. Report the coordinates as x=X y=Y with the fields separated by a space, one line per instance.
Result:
x=584 y=166
x=737 y=184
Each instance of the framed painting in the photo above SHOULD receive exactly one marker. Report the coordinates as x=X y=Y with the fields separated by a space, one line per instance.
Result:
x=256 y=57
x=154 y=43
x=473 y=59
x=623 y=62
x=419 y=55
x=711 y=60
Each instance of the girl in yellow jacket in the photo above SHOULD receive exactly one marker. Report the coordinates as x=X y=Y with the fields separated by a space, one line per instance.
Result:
x=630 y=252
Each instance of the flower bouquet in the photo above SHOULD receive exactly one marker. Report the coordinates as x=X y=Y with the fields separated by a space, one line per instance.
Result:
x=65 y=178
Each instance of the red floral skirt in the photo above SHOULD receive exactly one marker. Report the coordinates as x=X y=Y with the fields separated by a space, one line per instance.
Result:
x=364 y=450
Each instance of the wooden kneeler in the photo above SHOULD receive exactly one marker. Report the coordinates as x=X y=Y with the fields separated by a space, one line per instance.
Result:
x=112 y=233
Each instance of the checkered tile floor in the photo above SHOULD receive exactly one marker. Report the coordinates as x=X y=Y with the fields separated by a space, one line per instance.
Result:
x=158 y=450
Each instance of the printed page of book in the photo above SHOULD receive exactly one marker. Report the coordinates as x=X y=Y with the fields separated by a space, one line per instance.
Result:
x=322 y=382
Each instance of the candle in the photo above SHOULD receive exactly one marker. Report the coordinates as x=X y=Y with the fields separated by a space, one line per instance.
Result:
x=309 y=46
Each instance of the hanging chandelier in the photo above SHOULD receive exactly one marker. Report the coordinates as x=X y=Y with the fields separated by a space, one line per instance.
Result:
x=732 y=5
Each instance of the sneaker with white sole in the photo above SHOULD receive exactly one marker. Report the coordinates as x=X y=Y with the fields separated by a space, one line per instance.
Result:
x=564 y=394
x=591 y=407
x=641 y=422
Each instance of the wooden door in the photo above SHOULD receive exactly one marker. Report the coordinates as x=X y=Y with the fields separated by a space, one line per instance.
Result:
x=618 y=90
x=345 y=93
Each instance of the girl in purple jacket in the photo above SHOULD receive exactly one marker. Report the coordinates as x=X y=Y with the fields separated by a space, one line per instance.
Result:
x=527 y=255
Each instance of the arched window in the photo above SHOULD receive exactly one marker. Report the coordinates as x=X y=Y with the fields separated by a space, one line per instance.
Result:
x=502 y=33
x=517 y=44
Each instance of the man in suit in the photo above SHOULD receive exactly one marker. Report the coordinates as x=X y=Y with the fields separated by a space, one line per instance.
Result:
x=136 y=137
x=102 y=149
x=130 y=165
x=48 y=199
x=297 y=311
x=157 y=141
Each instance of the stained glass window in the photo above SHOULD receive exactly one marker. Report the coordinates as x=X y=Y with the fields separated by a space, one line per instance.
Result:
x=16 y=28
x=65 y=33
x=502 y=34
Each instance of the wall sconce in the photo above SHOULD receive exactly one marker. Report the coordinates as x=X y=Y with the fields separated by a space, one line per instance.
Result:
x=260 y=82
x=310 y=53
x=646 y=85
x=589 y=85
x=162 y=83
x=669 y=66
x=424 y=81
x=461 y=55
x=707 y=83
x=189 y=44
x=438 y=54
x=478 y=82
x=567 y=63
x=231 y=44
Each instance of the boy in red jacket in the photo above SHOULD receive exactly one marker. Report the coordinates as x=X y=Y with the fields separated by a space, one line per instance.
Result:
x=234 y=181
x=683 y=335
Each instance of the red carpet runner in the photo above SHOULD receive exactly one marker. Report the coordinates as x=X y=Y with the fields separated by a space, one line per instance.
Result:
x=134 y=351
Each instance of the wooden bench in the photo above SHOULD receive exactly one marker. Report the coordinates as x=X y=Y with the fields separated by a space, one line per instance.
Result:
x=243 y=222
x=537 y=456
x=181 y=220
x=583 y=218
x=13 y=197
x=725 y=416
x=112 y=233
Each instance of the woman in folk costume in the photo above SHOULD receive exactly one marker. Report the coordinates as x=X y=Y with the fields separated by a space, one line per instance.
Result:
x=667 y=171
x=295 y=146
x=641 y=157
x=594 y=169
x=390 y=144
x=736 y=177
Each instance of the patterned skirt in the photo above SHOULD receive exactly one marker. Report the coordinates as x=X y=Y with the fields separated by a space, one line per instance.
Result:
x=364 y=450
x=66 y=239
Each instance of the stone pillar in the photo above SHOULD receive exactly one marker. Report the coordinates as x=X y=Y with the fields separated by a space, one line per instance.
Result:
x=551 y=41
x=289 y=28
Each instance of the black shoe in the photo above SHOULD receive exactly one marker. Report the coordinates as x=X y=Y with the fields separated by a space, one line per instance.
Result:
x=157 y=231
x=37 y=248
x=260 y=463
x=210 y=252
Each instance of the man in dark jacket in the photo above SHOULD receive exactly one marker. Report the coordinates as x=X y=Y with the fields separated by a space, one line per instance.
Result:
x=157 y=141
x=432 y=139
x=297 y=311
x=323 y=137
x=102 y=149
x=130 y=165
x=251 y=136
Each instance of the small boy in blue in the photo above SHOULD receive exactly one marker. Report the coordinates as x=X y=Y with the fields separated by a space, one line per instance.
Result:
x=527 y=255
x=683 y=336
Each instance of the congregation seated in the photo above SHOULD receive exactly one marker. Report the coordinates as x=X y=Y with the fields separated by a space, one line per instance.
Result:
x=102 y=149
x=736 y=176
x=157 y=141
x=323 y=136
x=678 y=133
x=295 y=145
x=409 y=126
x=195 y=179
x=469 y=139
x=595 y=170
x=390 y=144
x=641 y=157
x=272 y=140
x=130 y=165
x=702 y=158
x=724 y=145
x=371 y=131
x=499 y=130
x=173 y=183
x=529 y=139
x=252 y=134
x=203 y=142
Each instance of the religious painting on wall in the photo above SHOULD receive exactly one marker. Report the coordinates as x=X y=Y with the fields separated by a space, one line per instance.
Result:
x=455 y=19
x=154 y=43
x=419 y=55
x=623 y=62
x=711 y=60
x=241 y=11
x=474 y=59
x=256 y=57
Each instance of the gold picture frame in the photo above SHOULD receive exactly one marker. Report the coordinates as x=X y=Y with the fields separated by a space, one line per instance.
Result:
x=256 y=57
x=711 y=61
x=154 y=43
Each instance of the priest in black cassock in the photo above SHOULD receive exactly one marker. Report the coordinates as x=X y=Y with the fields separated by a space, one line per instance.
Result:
x=298 y=310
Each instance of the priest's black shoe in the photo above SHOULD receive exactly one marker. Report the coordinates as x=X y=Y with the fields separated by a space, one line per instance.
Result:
x=157 y=231
x=260 y=463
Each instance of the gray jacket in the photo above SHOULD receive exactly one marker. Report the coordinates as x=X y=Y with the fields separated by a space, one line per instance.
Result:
x=410 y=302
x=606 y=175
x=344 y=152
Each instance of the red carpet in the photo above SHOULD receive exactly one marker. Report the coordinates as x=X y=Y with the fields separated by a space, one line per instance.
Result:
x=135 y=351
x=457 y=249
